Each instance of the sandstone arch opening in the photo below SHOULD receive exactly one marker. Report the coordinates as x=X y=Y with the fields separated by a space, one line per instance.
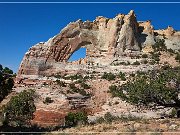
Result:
x=78 y=54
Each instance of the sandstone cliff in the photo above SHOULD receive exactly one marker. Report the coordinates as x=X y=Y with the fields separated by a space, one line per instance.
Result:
x=104 y=39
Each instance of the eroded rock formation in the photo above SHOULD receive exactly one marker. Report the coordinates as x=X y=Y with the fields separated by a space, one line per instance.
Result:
x=104 y=39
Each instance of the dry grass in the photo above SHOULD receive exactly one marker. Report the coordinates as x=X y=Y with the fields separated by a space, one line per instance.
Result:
x=150 y=127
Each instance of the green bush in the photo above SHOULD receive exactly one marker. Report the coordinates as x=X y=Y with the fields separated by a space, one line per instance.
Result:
x=116 y=92
x=153 y=87
x=129 y=117
x=86 y=77
x=152 y=62
x=74 y=77
x=85 y=86
x=72 y=86
x=166 y=67
x=108 y=117
x=132 y=75
x=1 y=67
x=19 y=110
x=58 y=76
x=74 y=89
x=155 y=56
x=136 y=63
x=100 y=120
x=173 y=113
x=82 y=92
x=122 y=76
x=108 y=76
x=145 y=62
x=144 y=56
x=47 y=100
x=122 y=63
x=73 y=119
x=6 y=82
x=177 y=58
x=7 y=70
x=160 y=45
x=61 y=83
x=170 y=50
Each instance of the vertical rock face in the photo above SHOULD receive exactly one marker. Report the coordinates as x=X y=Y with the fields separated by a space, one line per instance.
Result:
x=147 y=33
x=104 y=39
x=128 y=34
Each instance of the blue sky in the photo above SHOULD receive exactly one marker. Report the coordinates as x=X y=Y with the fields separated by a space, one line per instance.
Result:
x=23 y=25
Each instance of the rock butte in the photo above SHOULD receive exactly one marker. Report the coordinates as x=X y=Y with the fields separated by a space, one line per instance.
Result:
x=105 y=40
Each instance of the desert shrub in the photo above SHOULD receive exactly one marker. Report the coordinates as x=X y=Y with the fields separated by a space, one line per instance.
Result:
x=86 y=77
x=74 y=89
x=108 y=117
x=100 y=120
x=58 y=76
x=122 y=63
x=132 y=75
x=129 y=117
x=153 y=88
x=136 y=63
x=122 y=76
x=82 y=92
x=69 y=92
x=1 y=67
x=116 y=92
x=166 y=67
x=85 y=86
x=93 y=72
x=155 y=56
x=128 y=63
x=140 y=73
x=170 y=50
x=73 y=119
x=72 y=86
x=61 y=83
x=144 y=56
x=177 y=58
x=19 y=110
x=74 y=77
x=137 y=57
x=47 y=100
x=6 y=82
x=173 y=113
x=108 y=76
x=160 y=45
x=145 y=62
x=7 y=70
x=79 y=81
x=152 y=62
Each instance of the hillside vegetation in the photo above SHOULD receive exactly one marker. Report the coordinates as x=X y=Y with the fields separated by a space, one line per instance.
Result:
x=6 y=82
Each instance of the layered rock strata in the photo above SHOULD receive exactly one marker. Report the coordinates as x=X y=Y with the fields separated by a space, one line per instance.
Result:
x=104 y=39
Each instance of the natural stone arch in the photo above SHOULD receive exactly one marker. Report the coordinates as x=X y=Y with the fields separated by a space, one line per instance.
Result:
x=65 y=45
x=83 y=44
